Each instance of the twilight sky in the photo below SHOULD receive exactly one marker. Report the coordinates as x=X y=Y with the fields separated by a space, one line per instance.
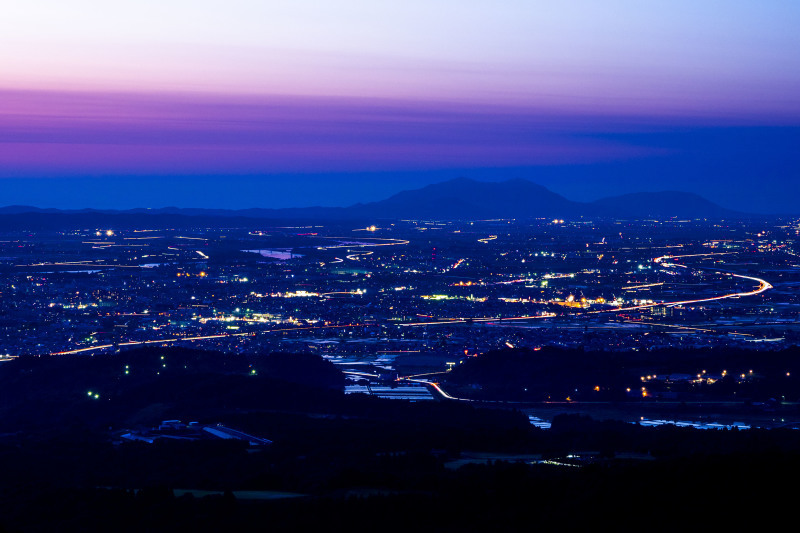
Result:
x=248 y=103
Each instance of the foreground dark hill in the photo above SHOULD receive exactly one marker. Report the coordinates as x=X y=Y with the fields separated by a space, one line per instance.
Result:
x=338 y=460
x=81 y=397
x=50 y=393
x=744 y=379
x=458 y=199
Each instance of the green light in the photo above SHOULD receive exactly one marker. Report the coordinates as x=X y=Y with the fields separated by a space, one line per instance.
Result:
x=90 y=393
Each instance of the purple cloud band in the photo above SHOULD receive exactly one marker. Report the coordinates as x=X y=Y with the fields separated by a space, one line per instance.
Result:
x=59 y=133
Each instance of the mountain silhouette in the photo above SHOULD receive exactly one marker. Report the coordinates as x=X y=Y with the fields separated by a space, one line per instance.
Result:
x=661 y=204
x=456 y=199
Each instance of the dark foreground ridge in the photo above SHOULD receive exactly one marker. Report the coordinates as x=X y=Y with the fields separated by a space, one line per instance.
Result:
x=336 y=460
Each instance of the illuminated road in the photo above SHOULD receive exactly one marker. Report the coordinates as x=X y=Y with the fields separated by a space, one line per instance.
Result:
x=476 y=319
x=687 y=328
x=436 y=387
x=172 y=340
x=357 y=256
x=658 y=260
x=763 y=286
x=344 y=243
x=357 y=292
x=360 y=374
x=645 y=286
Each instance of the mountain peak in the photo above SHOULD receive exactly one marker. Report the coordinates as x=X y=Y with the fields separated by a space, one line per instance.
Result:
x=466 y=198
x=662 y=204
x=460 y=198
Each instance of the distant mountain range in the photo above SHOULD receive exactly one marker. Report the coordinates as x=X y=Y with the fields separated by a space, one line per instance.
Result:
x=457 y=199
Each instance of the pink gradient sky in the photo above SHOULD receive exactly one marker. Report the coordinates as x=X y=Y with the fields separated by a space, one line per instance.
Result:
x=680 y=56
x=246 y=87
